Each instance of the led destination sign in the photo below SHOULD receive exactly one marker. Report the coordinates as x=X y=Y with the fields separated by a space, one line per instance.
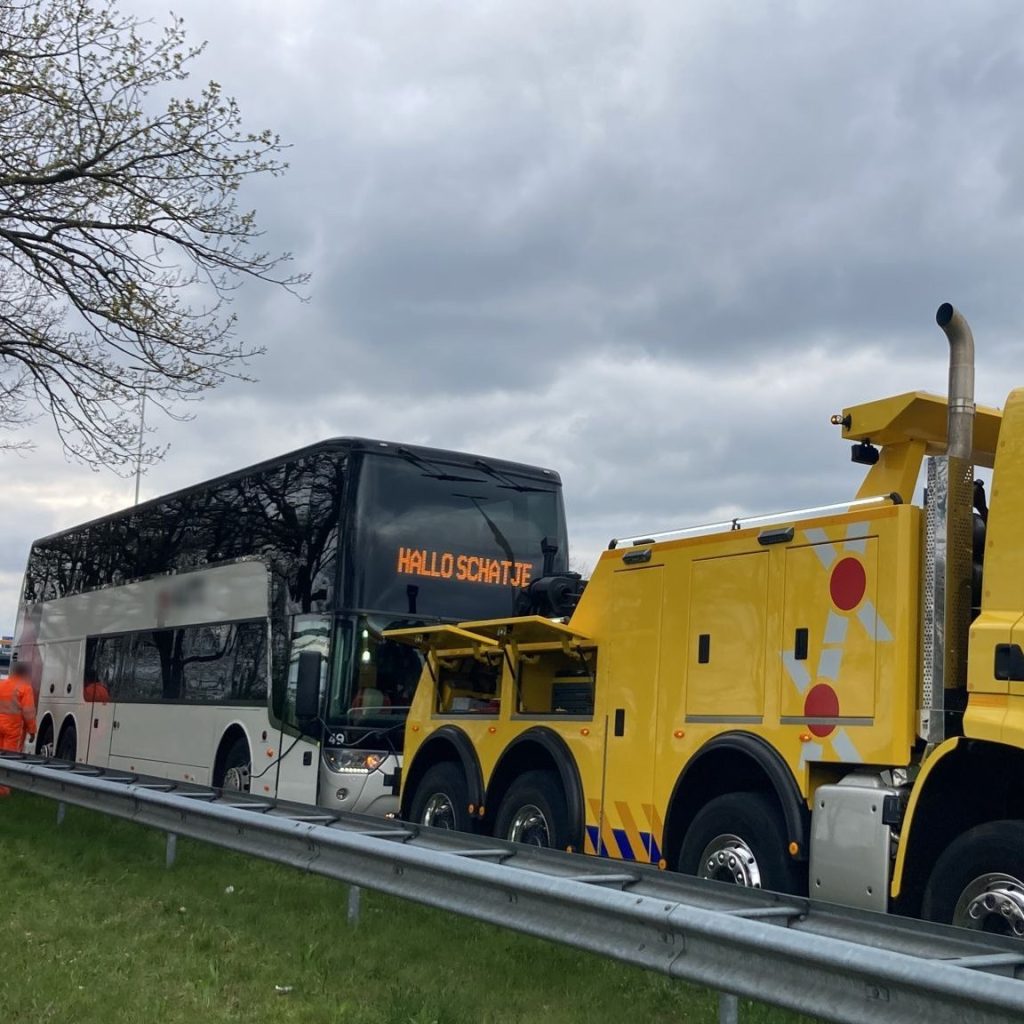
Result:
x=446 y=565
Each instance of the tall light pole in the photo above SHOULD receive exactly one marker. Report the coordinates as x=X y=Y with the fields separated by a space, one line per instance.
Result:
x=142 y=431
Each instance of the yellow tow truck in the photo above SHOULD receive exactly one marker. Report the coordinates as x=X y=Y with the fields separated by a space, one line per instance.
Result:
x=828 y=701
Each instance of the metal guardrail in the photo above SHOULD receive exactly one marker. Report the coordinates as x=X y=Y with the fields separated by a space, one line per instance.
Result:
x=838 y=964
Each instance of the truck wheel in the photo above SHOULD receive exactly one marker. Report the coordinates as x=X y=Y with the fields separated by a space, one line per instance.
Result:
x=67 y=745
x=441 y=799
x=237 y=773
x=741 y=838
x=978 y=882
x=534 y=812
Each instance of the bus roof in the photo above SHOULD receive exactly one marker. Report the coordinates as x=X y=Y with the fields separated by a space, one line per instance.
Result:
x=340 y=444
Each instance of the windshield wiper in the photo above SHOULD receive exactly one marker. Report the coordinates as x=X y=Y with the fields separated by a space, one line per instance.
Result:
x=507 y=481
x=427 y=467
x=496 y=533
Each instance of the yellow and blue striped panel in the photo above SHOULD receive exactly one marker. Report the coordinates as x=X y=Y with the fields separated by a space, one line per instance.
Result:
x=618 y=836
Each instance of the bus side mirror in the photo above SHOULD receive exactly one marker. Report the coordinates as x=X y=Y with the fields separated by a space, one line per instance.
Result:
x=307 y=687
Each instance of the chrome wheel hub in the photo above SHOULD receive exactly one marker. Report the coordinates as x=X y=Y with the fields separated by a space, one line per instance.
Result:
x=438 y=812
x=992 y=903
x=530 y=826
x=237 y=778
x=727 y=858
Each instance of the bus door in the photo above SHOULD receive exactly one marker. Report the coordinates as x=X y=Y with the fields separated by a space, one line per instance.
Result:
x=629 y=826
x=103 y=659
x=100 y=716
x=297 y=770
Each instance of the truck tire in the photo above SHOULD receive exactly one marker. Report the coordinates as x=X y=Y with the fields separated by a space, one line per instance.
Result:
x=741 y=838
x=978 y=881
x=441 y=799
x=534 y=812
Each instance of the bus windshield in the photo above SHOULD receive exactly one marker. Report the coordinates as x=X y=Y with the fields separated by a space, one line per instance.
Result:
x=377 y=677
x=450 y=540
x=435 y=539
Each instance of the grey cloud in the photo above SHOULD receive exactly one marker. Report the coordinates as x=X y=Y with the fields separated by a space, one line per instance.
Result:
x=652 y=246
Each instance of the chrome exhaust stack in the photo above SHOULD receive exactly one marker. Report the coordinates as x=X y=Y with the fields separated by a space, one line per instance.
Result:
x=960 y=417
x=949 y=527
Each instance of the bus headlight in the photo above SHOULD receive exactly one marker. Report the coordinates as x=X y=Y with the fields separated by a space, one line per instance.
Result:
x=353 y=761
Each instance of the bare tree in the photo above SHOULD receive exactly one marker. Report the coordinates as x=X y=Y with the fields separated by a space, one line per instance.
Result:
x=121 y=238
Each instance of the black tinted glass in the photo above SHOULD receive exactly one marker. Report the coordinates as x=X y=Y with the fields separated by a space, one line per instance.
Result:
x=435 y=538
x=203 y=664
x=287 y=515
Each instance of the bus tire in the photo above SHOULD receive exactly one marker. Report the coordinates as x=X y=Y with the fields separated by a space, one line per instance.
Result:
x=441 y=799
x=44 y=740
x=978 y=881
x=67 y=745
x=237 y=772
x=534 y=812
x=741 y=838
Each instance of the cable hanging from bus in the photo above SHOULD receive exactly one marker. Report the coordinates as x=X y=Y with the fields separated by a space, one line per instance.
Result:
x=167 y=639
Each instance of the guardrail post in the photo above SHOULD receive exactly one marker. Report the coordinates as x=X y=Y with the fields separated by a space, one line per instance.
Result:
x=354 y=895
x=172 y=848
x=728 y=1008
x=61 y=811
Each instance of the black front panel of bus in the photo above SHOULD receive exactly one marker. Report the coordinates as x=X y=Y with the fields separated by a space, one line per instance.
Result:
x=433 y=539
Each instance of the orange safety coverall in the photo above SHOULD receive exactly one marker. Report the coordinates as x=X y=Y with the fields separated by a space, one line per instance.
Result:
x=17 y=715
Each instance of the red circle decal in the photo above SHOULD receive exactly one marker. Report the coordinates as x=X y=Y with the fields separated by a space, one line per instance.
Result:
x=847 y=584
x=821 y=702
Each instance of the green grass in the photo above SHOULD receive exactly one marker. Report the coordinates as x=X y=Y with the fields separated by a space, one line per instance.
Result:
x=96 y=931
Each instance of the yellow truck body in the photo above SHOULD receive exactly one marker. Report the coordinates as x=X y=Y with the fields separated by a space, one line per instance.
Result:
x=770 y=669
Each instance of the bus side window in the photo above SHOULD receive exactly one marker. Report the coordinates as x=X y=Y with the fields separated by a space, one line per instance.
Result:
x=249 y=670
x=144 y=676
x=103 y=656
x=224 y=662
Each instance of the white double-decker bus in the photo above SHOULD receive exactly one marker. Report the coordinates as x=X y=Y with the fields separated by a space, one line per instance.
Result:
x=166 y=639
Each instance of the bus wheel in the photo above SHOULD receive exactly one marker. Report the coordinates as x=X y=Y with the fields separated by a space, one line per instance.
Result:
x=237 y=773
x=741 y=838
x=442 y=799
x=67 y=745
x=44 y=741
x=534 y=812
x=978 y=882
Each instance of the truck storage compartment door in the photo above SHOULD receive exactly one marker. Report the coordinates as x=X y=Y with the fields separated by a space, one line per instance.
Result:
x=627 y=821
x=830 y=634
x=725 y=654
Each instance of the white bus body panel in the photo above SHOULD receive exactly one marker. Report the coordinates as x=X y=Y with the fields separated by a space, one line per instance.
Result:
x=175 y=740
x=296 y=773
x=60 y=671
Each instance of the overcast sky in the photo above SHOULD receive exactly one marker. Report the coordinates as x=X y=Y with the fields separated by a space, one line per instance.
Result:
x=651 y=245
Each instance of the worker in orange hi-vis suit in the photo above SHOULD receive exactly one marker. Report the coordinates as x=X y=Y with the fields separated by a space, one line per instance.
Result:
x=17 y=711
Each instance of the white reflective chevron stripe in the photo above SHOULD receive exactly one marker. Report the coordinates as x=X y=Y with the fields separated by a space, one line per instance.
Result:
x=872 y=622
x=797 y=671
x=856 y=538
x=823 y=547
x=835 y=628
x=843 y=746
x=829 y=662
x=810 y=752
